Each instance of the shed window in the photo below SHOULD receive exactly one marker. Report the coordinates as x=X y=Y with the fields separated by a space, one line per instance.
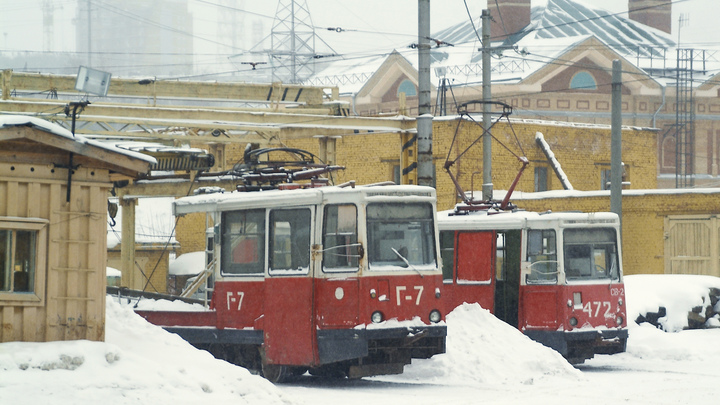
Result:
x=21 y=248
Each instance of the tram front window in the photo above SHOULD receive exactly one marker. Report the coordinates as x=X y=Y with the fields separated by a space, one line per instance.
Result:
x=542 y=256
x=590 y=254
x=401 y=236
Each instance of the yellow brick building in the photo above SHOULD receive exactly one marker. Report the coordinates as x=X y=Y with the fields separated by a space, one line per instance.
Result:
x=582 y=150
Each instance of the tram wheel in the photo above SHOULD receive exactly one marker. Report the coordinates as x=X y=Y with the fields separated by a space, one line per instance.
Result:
x=275 y=373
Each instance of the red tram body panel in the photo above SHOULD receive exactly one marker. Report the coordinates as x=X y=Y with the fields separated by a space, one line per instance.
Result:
x=333 y=280
x=557 y=277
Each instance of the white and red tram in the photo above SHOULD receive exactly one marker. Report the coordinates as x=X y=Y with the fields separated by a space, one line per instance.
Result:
x=555 y=276
x=337 y=280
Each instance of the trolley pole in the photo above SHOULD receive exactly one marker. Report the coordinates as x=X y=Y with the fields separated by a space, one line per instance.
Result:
x=487 y=187
x=425 y=171
x=616 y=141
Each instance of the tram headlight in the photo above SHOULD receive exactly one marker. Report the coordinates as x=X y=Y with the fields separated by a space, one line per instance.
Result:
x=573 y=321
x=620 y=301
x=435 y=316
x=619 y=320
x=376 y=317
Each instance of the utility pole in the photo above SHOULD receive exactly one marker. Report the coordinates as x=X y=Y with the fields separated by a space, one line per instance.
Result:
x=487 y=187
x=425 y=170
x=616 y=141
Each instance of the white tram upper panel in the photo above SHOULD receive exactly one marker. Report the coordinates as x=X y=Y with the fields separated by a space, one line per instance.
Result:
x=301 y=197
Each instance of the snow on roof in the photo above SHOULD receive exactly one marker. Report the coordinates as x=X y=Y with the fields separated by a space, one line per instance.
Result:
x=569 y=18
x=188 y=264
x=555 y=27
x=7 y=121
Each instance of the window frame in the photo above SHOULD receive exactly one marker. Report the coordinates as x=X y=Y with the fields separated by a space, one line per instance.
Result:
x=546 y=235
x=40 y=227
x=273 y=237
x=226 y=242
x=329 y=250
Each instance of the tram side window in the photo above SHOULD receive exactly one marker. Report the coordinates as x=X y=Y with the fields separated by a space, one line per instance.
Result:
x=542 y=255
x=243 y=242
x=447 y=253
x=340 y=240
x=590 y=254
x=500 y=248
x=289 y=241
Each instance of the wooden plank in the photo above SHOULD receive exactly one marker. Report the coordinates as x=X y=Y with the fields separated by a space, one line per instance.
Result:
x=97 y=259
x=54 y=311
x=75 y=246
x=8 y=324
x=29 y=322
x=129 y=278
x=3 y=196
x=11 y=208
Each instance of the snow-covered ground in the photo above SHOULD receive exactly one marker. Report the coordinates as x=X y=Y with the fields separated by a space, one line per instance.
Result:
x=486 y=362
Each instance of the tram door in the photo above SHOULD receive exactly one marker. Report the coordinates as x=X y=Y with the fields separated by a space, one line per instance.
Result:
x=336 y=277
x=337 y=299
x=474 y=263
x=289 y=334
x=507 y=276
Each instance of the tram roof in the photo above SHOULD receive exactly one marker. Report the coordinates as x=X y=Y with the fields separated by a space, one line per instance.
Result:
x=300 y=197
x=517 y=219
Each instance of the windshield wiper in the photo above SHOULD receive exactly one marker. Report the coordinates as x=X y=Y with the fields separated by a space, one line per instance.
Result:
x=406 y=261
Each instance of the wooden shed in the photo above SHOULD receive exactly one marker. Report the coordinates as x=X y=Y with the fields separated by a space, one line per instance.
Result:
x=53 y=208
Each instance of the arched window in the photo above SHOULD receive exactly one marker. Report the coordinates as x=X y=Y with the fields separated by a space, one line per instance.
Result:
x=408 y=88
x=583 y=80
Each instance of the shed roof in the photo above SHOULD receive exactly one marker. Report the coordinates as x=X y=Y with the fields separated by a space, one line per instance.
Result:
x=36 y=137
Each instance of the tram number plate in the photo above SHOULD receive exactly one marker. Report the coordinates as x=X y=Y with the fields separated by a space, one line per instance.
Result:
x=233 y=298
x=593 y=308
x=402 y=294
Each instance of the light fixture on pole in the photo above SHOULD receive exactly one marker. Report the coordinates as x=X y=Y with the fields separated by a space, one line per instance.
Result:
x=88 y=81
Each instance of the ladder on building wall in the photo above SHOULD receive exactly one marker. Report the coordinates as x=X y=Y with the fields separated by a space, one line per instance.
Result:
x=685 y=117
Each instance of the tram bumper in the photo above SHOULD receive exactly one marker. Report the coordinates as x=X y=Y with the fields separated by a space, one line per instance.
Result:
x=580 y=345
x=376 y=345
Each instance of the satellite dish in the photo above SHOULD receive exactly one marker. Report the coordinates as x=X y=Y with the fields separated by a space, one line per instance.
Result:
x=92 y=81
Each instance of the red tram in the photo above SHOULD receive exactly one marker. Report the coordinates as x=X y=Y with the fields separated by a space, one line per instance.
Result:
x=337 y=280
x=556 y=276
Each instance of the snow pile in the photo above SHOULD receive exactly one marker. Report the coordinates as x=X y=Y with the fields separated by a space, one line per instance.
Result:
x=678 y=294
x=138 y=363
x=482 y=349
x=188 y=264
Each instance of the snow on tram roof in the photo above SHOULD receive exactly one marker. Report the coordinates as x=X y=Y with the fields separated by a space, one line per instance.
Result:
x=308 y=196
x=515 y=219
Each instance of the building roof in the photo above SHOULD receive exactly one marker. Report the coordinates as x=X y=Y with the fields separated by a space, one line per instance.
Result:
x=114 y=158
x=555 y=28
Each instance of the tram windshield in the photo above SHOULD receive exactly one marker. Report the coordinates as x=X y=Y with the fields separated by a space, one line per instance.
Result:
x=401 y=236
x=590 y=254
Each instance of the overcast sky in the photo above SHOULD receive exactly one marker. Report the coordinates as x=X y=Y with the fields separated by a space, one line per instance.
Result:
x=371 y=25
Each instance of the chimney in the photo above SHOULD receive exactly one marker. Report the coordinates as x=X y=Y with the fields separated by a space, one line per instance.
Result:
x=508 y=17
x=653 y=13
